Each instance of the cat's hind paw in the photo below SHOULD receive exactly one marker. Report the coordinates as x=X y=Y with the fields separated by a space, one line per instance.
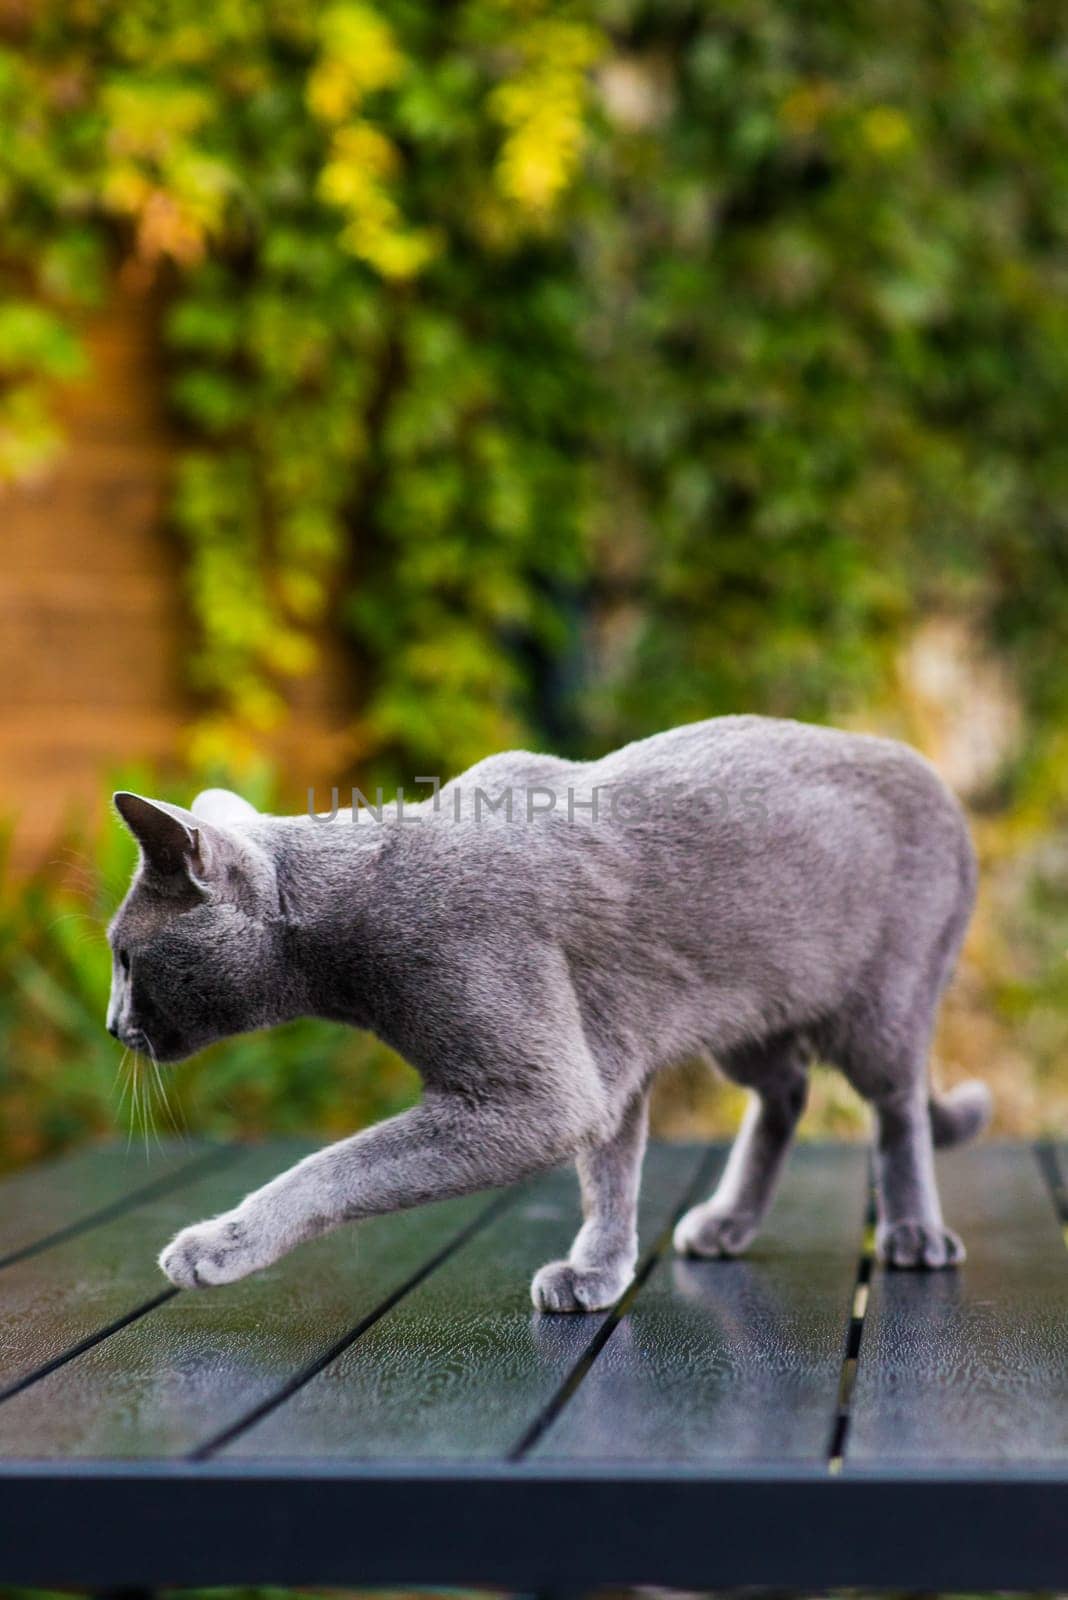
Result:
x=916 y=1245
x=709 y=1234
x=559 y=1286
x=211 y=1253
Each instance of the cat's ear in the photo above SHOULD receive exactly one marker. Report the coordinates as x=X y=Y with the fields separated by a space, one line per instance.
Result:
x=169 y=836
x=222 y=805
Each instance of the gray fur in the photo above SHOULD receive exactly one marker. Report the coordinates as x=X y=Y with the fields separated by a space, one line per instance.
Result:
x=792 y=891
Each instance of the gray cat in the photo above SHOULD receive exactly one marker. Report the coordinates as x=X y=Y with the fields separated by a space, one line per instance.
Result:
x=539 y=939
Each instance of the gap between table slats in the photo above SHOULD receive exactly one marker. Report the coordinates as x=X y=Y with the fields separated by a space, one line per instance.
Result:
x=1053 y=1160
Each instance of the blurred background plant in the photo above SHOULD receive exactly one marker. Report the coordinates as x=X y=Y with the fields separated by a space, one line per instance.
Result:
x=546 y=374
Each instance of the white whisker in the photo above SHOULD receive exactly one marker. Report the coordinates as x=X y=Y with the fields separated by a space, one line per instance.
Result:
x=162 y=1087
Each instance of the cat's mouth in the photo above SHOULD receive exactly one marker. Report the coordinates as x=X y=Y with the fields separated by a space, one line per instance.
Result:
x=155 y=1048
x=167 y=1049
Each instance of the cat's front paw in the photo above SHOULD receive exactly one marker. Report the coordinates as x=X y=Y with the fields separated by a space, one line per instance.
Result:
x=214 y=1252
x=559 y=1286
x=708 y=1234
x=911 y=1245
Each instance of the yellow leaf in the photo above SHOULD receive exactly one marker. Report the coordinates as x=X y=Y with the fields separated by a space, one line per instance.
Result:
x=886 y=129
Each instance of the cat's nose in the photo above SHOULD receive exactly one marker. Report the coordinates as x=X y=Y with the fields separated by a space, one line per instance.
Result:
x=113 y=1029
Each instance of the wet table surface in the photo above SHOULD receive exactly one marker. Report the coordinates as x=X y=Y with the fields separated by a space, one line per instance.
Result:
x=385 y=1406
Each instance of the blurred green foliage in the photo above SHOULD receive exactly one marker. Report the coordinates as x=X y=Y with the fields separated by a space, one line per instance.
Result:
x=595 y=365
x=695 y=347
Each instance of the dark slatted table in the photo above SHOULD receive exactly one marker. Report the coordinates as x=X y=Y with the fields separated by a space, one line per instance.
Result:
x=384 y=1406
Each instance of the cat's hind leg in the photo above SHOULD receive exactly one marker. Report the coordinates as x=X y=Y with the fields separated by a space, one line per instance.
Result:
x=910 y=1231
x=726 y=1224
x=883 y=1043
x=886 y=1061
x=883 y=1053
x=602 y=1258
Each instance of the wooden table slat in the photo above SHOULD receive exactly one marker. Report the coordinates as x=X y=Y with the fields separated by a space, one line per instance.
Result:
x=176 y=1378
x=970 y=1367
x=463 y=1366
x=52 y=1301
x=721 y=1361
x=51 y=1202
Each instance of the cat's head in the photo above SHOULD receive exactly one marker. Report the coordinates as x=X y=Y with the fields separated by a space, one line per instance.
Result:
x=196 y=943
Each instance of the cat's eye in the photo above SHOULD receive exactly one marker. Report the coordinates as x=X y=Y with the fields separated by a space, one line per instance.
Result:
x=124 y=962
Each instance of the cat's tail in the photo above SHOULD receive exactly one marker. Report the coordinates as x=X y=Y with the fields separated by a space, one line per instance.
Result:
x=960 y=1113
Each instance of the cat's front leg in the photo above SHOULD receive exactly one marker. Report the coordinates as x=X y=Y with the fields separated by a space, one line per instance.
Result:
x=266 y=1225
x=601 y=1261
x=440 y=1148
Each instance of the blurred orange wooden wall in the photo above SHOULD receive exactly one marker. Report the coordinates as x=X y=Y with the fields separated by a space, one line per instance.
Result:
x=92 y=623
